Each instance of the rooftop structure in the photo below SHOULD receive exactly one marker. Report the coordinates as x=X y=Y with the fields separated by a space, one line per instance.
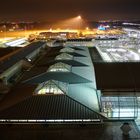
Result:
x=74 y=84
x=64 y=82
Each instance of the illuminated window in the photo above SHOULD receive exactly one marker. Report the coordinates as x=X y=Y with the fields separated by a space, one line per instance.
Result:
x=64 y=56
x=120 y=107
x=59 y=67
x=67 y=49
x=52 y=87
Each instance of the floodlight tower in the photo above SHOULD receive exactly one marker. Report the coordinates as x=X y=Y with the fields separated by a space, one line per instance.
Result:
x=79 y=22
x=79 y=17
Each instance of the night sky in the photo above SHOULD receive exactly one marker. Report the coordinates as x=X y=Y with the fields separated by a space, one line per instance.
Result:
x=62 y=9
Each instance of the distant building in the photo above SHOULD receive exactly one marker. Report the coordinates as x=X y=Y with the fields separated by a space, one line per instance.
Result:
x=57 y=35
x=79 y=42
x=106 y=42
x=132 y=32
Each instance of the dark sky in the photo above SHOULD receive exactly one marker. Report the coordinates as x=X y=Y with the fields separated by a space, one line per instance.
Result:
x=63 y=9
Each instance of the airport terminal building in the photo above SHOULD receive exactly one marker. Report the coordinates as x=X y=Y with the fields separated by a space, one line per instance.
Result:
x=67 y=84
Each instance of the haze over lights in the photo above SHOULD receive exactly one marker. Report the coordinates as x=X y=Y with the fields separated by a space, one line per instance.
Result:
x=72 y=23
x=76 y=24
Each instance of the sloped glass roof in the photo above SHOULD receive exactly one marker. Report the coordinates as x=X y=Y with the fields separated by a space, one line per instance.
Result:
x=67 y=49
x=64 y=56
x=52 y=87
x=59 y=67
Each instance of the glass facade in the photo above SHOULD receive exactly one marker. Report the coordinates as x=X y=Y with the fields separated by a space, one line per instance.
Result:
x=138 y=100
x=67 y=49
x=120 y=107
x=64 y=56
x=59 y=67
x=52 y=87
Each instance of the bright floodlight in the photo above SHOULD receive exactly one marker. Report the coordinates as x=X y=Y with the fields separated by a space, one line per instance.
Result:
x=79 y=17
x=87 y=28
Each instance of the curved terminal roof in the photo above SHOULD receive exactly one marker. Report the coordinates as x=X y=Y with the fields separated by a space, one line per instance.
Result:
x=18 y=55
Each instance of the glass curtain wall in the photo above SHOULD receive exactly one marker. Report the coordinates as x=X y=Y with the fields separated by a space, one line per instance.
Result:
x=120 y=107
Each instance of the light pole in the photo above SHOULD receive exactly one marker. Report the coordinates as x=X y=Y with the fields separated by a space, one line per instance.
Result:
x=4 y=26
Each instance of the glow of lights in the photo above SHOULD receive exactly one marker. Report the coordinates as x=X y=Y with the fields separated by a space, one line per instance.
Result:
x=79 y=17
x=50 y=29
x=51 y=121
x=16 y=42
x=87 y=28
x=29 y=59
x=75 y=23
